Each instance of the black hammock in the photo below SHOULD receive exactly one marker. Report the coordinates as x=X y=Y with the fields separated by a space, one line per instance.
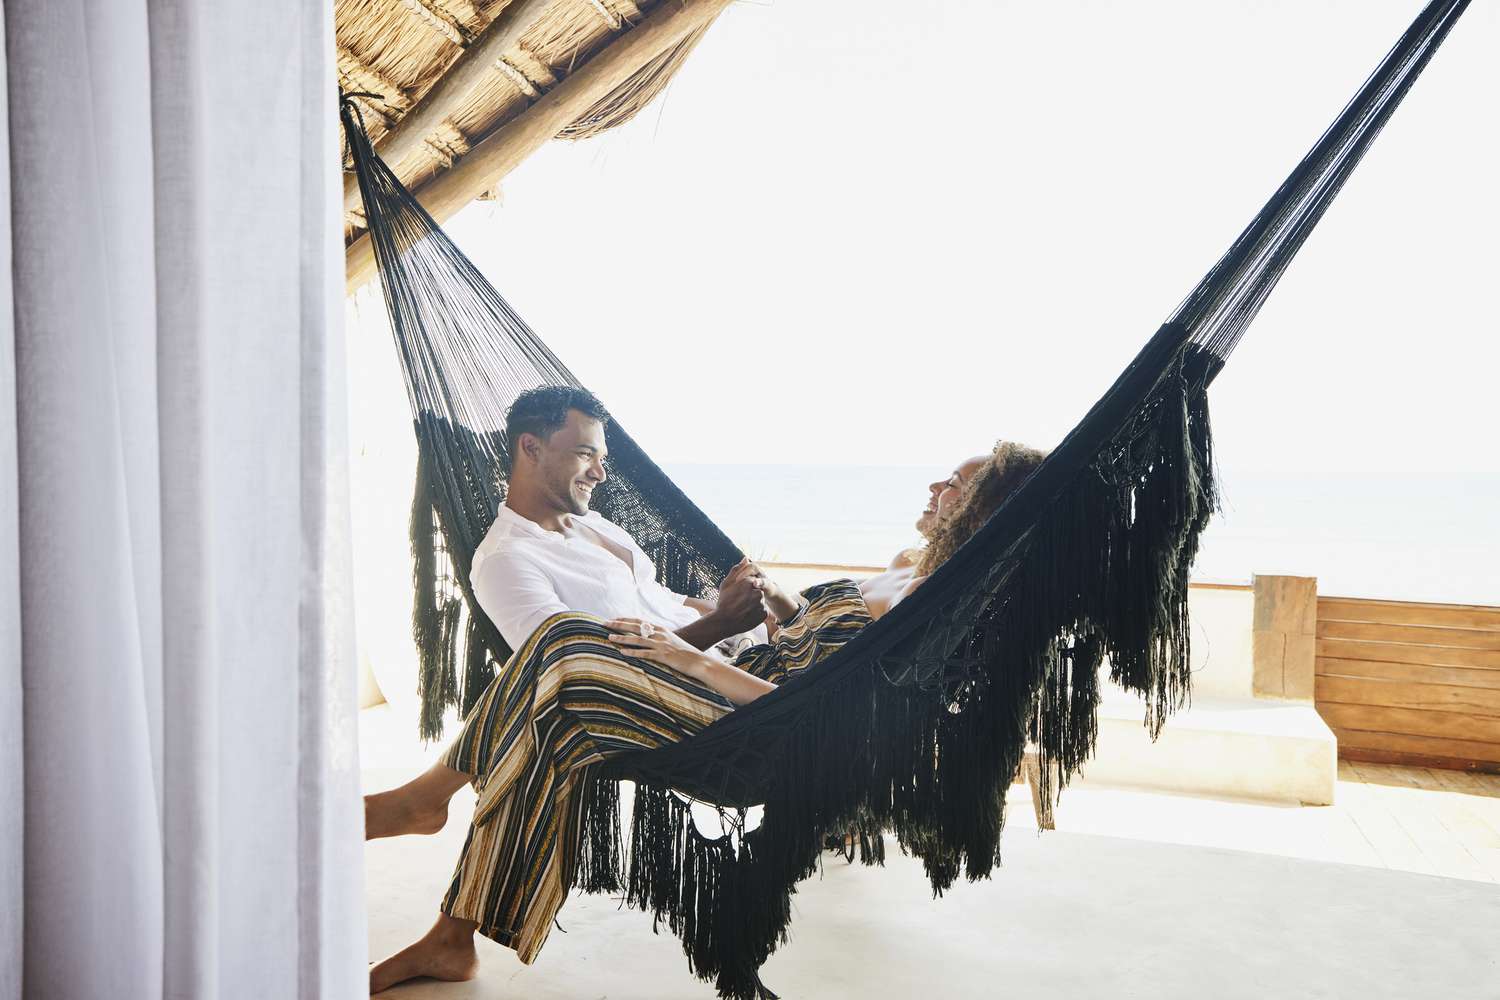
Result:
x=917 y=725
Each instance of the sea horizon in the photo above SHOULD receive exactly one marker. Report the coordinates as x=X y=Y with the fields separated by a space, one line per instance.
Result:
x=1430 y=540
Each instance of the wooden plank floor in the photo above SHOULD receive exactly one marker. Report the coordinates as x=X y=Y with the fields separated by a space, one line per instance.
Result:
x=1413 y=819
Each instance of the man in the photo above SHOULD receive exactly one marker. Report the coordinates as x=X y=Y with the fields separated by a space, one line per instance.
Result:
x=546 y=555
x=547 y=552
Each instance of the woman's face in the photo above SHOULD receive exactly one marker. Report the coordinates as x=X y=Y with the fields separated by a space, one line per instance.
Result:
x=945 y=493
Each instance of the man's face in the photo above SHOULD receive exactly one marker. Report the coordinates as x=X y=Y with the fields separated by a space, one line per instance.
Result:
x=570 y=463
x=944 y=494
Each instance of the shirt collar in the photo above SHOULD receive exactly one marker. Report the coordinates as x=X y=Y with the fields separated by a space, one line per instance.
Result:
x=518 y=524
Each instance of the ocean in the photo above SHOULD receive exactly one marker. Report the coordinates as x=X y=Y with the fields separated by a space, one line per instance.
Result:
x=1427 y=539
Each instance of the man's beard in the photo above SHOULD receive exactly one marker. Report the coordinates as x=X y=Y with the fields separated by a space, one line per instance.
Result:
x=568 y=499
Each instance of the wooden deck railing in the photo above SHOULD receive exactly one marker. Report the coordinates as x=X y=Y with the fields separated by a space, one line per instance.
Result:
x=1408 y=683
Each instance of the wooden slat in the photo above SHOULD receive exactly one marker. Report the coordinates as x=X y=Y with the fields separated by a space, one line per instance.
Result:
x=1419 y=673
x=1396 y=652
x=1366 y=805
x=1487 y=786
x=1421 y=635
x=1484 y=756
x=1406 y=613
x=1464 y=786
x=1419 y=760
x=1412 y=722
x=1467 y=824
x=1425 y=818
x=1403 y=694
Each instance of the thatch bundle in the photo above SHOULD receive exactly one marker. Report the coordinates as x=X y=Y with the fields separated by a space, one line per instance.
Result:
x=401 y=50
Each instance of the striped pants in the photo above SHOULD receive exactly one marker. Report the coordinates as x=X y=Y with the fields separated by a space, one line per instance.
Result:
x=565 y=700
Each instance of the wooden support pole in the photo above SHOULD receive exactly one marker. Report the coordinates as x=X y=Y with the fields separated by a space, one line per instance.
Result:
x=505 y=148
x=450 y=92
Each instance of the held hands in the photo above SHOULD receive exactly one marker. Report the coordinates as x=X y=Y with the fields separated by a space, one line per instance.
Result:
x=646 y=641
x=742 y=603
x=779 y=603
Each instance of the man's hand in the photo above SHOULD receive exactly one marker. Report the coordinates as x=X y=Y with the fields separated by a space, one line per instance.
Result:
x=779 y=604
x=741 y=607
x=742 y=604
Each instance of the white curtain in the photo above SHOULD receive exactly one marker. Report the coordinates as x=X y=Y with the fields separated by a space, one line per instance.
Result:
x=179 y=811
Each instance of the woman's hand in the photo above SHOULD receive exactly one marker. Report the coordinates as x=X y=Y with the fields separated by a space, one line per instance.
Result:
x=741 y=604
x=646 y=641
x=658 y=645
x=779 y=604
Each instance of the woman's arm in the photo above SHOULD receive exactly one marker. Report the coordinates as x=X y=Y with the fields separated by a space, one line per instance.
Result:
x=660 y=645
x=732 y=682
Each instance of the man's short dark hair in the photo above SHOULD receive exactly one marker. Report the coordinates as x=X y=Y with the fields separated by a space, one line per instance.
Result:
x=545 y=409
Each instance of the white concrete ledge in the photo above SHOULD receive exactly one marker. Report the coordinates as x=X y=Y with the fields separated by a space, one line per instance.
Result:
x=1241 y=747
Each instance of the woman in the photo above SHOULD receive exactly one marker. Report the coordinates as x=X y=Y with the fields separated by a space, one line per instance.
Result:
x=580 y=691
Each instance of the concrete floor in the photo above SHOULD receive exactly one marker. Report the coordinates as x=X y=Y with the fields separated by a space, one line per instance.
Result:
x=1070 y=915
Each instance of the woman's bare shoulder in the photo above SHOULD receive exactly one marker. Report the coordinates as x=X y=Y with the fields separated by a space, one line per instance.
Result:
x=905 y=559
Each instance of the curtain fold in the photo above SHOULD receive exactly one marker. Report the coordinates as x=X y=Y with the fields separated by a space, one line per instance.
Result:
x=178 y=696
x=12 y=788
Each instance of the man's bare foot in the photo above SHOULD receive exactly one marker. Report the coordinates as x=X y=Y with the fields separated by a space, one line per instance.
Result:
x=445 y=952
x=399 y=811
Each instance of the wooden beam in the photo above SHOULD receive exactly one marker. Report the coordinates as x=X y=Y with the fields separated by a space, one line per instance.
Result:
x=1472 y=755
x=454 y=88
x=505 y=148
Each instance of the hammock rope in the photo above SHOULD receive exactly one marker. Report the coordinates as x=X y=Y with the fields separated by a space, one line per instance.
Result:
x=918 y=724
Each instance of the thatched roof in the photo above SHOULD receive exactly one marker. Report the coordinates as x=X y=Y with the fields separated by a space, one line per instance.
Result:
x=468 y=88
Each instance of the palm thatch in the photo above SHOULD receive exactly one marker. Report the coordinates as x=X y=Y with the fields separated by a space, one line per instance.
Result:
x=499 y=58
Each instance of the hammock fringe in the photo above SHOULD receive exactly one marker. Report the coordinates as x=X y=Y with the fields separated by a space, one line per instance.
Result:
x=435 y=614
x=933 y=763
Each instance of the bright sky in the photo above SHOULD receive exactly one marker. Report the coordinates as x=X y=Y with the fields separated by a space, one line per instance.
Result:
x=921 y=234
x=889 y=233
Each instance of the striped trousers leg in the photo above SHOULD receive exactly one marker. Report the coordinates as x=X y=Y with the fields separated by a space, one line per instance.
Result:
x=565 y=700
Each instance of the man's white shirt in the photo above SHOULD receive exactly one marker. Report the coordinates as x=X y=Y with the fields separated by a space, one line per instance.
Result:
x=523 y=574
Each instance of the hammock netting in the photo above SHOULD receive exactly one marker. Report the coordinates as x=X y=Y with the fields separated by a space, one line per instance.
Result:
x=918 y=725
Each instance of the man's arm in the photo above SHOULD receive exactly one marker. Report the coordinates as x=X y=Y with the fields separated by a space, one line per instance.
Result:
x=739 y=608
x=515 y=594
x=708 y=630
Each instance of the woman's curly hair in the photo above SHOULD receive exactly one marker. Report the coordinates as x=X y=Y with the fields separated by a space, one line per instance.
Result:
x=1009 y=466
